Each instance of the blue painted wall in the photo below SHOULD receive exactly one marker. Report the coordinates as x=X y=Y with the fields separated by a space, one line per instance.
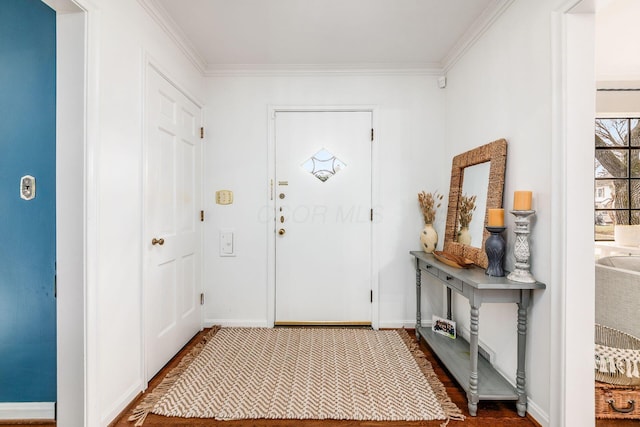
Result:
x=27 y=228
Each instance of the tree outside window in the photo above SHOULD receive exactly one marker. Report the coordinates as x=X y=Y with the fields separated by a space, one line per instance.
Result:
x=617 y=175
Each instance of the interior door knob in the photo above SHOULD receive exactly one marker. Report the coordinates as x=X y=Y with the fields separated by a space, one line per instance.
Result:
x=155 y=241
x=281 y=232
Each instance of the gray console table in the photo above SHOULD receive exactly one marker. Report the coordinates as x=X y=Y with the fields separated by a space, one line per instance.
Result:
x=466 y=361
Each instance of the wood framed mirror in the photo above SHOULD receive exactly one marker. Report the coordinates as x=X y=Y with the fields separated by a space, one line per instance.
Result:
x=479 y=172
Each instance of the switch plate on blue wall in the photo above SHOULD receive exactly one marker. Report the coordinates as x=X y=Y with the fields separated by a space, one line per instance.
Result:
x=27 y=187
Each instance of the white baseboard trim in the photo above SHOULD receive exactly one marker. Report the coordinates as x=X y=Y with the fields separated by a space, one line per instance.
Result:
x=121 y=404
x=253 y=323
x=537 y=413
x=232 y=323
x=28 y=411
x=408 y=324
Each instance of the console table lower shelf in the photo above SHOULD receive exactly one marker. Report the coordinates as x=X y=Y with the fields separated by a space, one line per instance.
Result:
x=465 y=361
x=454 y=354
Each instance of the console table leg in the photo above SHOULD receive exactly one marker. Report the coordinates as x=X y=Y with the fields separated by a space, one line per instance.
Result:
x=522 y=348
x=418 y=300
x=472 y=395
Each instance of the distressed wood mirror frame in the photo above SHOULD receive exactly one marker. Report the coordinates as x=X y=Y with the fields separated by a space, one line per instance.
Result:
x=496 y=153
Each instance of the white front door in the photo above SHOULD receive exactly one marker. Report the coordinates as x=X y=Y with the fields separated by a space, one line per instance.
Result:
x=172 y=222
x=323 y=217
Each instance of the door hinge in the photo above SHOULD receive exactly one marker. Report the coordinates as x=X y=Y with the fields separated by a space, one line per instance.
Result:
x=201 y=216
x=371 y=134
x=202 y=298
x=55 y=280
x=371 y=214
x=371 y=296
x=201 y=132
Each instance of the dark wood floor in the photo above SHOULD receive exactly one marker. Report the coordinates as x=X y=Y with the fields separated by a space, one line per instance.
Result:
x=490 y=414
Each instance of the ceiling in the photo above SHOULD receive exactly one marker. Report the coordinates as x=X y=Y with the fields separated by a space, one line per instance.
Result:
x=219 y=35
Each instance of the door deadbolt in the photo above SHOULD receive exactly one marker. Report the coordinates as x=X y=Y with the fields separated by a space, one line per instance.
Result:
x=155 y=241
x=282 y=196
x=282 y=219
x=281 y=232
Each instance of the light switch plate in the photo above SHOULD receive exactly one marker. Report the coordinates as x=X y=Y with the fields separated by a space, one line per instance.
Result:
x=224 y=197
x=27 y=187
x=226 y=243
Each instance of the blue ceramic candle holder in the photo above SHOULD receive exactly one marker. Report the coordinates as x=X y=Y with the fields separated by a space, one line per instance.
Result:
x=495 y=248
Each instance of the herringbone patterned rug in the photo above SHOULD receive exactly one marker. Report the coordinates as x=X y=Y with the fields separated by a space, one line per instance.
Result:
x=302 y=373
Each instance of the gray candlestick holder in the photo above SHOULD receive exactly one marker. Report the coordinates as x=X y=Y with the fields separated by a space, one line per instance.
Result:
x=521 y=272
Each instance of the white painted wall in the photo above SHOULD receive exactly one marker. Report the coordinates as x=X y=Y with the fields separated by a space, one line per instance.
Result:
x=617 y=31
x=501 y=88
x=408 y=154
x=122 y=34
x=616 y=67
x=617 y=103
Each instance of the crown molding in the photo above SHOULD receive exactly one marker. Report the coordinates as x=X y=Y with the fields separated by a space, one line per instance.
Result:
x=475 y=32
x=369 y=69
x=275 y=70
x=63 y=7
x=610 y=82
x=160 y=15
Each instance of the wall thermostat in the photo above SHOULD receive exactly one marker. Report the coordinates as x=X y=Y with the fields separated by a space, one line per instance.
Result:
x=27 y=187
x=224 y=197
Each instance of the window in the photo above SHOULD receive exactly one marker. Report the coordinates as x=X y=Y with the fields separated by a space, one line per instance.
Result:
x=323 y=165
x=617 y=175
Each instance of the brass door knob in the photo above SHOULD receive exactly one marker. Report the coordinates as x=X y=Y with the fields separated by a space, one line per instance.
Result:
x=281 y=232
x=155 y=241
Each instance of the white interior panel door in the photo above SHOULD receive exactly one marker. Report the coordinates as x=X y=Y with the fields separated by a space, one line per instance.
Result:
x=323 y=217
x=172 y=223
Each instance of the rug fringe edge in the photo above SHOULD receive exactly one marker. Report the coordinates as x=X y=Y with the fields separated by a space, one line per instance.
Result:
x=139 y=414
x=451 y=410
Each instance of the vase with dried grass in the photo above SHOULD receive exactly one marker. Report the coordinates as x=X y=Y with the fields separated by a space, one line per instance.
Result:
x=429 y=203
x=467 y=206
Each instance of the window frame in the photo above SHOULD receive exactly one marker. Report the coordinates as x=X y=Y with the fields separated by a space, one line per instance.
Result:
x=630 y=179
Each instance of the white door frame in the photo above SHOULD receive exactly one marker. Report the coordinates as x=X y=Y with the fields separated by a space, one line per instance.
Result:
x=150 y=63
x=573 y=286
x=270 y=204
x=76 y=234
